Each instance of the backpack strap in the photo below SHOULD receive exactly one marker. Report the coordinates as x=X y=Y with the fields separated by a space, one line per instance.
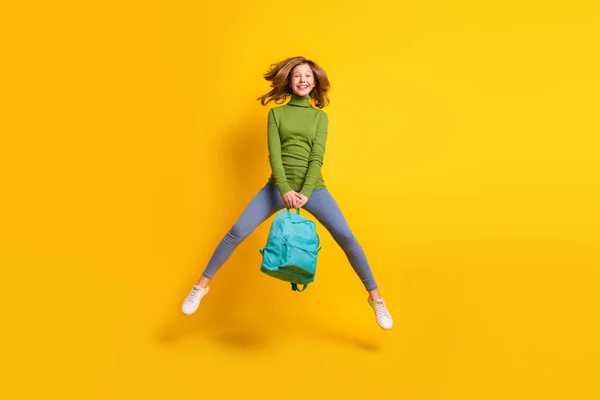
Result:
x=295 y=287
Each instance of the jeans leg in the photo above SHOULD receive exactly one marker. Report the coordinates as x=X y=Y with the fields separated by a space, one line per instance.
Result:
x=326 y=210
x=264 y=204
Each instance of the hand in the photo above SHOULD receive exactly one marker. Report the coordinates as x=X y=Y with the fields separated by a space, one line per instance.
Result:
x=290 y=199
x=302 y=200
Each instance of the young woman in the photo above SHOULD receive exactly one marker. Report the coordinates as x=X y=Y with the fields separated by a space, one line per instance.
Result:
x=297 y=133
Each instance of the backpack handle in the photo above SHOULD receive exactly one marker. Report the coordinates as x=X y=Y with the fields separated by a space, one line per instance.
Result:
x=297 y=211
x=295 y=287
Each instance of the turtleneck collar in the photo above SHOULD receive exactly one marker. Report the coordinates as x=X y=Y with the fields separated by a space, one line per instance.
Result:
x=299 y=101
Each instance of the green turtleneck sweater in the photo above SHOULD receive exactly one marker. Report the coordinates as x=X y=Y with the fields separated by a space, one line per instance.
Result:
x=297 y=133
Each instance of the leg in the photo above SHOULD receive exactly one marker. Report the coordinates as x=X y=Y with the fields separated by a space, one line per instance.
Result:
x=323 y=206
x=325 y=209
x=264 y=204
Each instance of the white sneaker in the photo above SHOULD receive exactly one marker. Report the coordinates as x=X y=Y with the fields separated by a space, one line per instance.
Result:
x=192 y=301
x=384 y=319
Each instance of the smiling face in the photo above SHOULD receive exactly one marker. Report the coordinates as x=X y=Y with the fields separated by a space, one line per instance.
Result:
x=302 y=80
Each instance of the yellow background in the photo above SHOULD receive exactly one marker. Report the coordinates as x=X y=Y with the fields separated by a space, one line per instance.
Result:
x=463 y=149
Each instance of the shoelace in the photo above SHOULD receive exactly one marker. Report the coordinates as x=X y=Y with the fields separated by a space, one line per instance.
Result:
x=194 y=294
x=381 y=310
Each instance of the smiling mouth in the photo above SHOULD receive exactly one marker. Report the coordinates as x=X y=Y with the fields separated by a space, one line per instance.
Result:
x=302 y=87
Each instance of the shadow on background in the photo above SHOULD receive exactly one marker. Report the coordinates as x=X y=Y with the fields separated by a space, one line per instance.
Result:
x=235 y=283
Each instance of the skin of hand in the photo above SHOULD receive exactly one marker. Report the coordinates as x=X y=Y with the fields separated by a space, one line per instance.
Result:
x=290 y=199
x=293 y=199
x=302 y=200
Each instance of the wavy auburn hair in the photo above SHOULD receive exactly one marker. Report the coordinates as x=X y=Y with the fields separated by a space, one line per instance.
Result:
x=280 y=74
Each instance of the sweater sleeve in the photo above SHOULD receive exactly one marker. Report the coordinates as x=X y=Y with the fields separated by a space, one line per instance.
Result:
x=315 y=159
x=274 y=144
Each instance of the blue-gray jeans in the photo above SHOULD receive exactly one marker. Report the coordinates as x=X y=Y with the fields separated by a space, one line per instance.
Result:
x=321 y=205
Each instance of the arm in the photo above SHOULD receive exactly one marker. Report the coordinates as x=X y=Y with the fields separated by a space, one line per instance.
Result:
x=315 y=159
x=274 y=142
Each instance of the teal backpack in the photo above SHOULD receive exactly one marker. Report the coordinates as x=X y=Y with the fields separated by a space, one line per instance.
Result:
x=291 y=250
